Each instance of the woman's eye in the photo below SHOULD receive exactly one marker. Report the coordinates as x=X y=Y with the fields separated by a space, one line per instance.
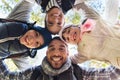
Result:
x=68 y=31
x=38 y=44
x=50 y=23
x=67 y=39
x=37 y=34
x=61 y=49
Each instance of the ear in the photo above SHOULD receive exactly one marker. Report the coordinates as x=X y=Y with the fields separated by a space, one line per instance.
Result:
x=88 y=25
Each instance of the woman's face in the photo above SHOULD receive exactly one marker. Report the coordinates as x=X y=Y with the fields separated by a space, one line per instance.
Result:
x=71 y=35
x=55 y=20
x=32 y=39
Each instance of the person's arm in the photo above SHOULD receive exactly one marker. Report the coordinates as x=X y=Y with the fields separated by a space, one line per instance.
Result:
x=22 y=63
x=32 y=1
x=111 y=11
x=78 y=58
x=7 y=75
x=38 y=2
x=89 y=12
x=21 y=11
x=110 y=73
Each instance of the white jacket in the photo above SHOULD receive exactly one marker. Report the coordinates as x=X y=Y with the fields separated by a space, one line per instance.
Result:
x=102 y=43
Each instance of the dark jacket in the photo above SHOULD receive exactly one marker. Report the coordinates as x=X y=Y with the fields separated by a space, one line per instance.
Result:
x=38 y=74
x=81 y=73
x=12 y=30
x=65 y=4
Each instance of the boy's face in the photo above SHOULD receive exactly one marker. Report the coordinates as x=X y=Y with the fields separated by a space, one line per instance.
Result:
x=32 y=39
x=71 y=35
x=55 y=20
x=57 y=53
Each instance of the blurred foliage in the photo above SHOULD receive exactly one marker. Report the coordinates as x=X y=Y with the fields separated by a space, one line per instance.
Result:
x=11 y=66
x=7 y=5
x=37 y=15
x=72 y=17
x=98 y=64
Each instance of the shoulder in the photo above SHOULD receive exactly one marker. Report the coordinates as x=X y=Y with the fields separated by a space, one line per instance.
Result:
x=77 y=71
x=77 y=68
x=36 y=73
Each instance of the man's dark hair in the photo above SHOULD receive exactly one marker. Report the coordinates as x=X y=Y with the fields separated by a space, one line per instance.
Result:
x=58 y=38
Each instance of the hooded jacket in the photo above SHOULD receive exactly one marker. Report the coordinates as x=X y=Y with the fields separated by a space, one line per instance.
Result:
x=102 y=43
x=10 y=33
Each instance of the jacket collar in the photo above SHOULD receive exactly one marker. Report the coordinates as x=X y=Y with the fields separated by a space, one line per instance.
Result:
x=53 y=72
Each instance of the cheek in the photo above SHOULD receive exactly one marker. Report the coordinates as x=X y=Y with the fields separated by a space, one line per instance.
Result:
x=48 y=56
x=46 y=17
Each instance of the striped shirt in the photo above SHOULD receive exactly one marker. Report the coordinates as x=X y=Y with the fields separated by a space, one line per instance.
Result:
x=52 y=3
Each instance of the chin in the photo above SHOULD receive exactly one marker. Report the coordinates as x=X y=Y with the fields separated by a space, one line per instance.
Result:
x=56 y=66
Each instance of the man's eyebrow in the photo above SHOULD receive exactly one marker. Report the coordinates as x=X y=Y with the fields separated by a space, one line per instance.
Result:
x=62 y=45
x=50 y=46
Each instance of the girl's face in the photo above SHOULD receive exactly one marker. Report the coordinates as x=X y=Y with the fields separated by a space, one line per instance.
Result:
x=55 y=20
x=71 y=35
x=32 y=39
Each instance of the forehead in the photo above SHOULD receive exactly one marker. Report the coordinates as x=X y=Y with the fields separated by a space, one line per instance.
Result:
x=57 y=43
x=54 y=28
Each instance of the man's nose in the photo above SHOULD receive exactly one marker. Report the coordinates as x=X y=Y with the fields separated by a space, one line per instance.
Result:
x=57 y=52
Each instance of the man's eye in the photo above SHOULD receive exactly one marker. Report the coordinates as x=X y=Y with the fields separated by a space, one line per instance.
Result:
x=51 y=49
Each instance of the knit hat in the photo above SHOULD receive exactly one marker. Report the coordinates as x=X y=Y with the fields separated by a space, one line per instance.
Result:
x=45 y=34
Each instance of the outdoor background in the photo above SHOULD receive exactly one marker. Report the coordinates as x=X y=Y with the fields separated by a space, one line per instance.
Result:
x=71 y=17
